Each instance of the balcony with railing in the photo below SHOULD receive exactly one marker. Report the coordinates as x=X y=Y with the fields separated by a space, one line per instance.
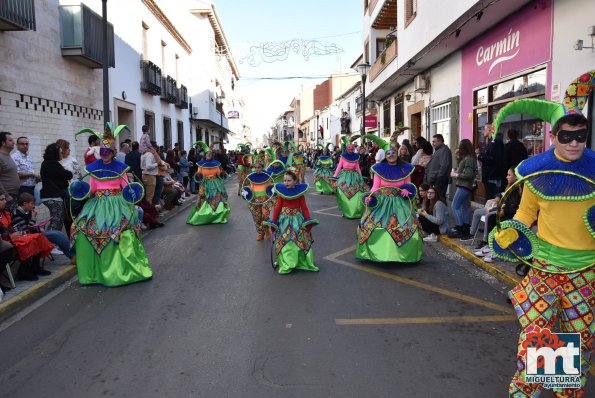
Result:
x=182 y=96
x=386 y=57
x=169 y=89
x=17 y=15
x=81 y=36
x=151 y=78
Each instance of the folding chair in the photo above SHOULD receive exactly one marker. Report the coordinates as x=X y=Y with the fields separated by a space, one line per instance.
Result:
x=9 y=273
x=483 y=220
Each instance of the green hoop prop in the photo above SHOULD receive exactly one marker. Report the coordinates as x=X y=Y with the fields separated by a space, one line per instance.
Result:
x=531 y=236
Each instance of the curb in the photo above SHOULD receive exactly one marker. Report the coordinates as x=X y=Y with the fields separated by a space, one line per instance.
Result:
x=30 y=295
x=501 y=274
x=35 y=292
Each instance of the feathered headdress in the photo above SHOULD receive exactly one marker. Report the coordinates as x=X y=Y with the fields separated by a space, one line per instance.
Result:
x=203 y=146
x=107 y=138
x=289 y=145
x=381 y=143
x=574 y=101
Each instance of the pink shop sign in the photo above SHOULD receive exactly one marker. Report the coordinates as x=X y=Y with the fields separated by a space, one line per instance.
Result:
x=371 y=121
x=521 y=41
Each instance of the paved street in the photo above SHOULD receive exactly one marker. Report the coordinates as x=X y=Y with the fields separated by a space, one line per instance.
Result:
x=216 y=321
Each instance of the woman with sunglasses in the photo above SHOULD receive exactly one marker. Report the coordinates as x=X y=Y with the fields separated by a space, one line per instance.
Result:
x=350 y=184
x=388 y=230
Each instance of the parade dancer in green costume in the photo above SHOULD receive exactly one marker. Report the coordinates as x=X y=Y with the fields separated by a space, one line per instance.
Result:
x=106 y=232
x=389 y=230
x=323 y=171
x=276 y=170
x=211 y=205
x=349 y=183
x=292 y=224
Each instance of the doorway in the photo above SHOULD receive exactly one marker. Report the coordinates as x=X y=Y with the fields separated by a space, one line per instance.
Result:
x=415 y=125
x=126 y=116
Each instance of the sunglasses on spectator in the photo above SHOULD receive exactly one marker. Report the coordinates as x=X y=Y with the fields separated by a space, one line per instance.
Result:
x=566 y=137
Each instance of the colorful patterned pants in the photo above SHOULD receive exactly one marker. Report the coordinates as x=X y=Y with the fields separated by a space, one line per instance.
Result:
x=539 y=300
x=301 y=172
x=260 y=210
x=242 y=174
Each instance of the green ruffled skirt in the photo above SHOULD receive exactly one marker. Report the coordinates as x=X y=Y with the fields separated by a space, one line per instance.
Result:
x=109 y=251
x=322 y=177
x=206 y=215
x=350 y=187
x=293 y=244
x=213 y=208
x=118 y=264
x=389 y=232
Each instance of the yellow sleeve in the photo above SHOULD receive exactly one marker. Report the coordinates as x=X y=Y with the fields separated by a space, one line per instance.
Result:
x=528 y=209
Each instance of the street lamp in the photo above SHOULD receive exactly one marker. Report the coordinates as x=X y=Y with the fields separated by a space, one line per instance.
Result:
x=220 y=100
x=363 y=71
x=317 y=113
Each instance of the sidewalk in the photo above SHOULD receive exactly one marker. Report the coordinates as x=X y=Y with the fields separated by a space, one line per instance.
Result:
x=26 y=293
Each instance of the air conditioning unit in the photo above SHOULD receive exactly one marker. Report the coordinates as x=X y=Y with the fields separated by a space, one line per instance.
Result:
x=420 y=84
x=195 y=110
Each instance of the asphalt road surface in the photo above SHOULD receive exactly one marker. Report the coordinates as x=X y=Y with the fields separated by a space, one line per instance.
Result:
x=217 y=321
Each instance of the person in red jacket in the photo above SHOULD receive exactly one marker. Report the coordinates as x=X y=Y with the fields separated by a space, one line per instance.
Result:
x=92 y=153
x=292 y=223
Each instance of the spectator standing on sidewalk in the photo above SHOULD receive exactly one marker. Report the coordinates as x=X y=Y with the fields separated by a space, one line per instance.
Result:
x=492 y=162
x=124 y=150
x=514 y=150
x=465 y=176
x=184 y=169
x=133 y=160
x=54 y=178
x=10 y=183
x=24 y=162
x=69 y=162
x=150 y=169
x=440 y=165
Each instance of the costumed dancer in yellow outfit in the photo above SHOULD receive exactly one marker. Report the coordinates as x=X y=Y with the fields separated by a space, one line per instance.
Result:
x=560 y=196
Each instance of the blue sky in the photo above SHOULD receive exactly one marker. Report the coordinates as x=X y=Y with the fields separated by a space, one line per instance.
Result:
x=251 y=23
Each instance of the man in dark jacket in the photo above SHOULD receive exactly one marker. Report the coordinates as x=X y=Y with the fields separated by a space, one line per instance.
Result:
x=439 y=167
x=133 y=160
x=492 y=163
x=514 y=152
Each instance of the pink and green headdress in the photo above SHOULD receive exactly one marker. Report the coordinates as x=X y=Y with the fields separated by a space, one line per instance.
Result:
x=107 y=138
x=574 y=101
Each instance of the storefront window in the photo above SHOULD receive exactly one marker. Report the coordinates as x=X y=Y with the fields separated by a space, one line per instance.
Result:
x=441 y=120
x=489 y=100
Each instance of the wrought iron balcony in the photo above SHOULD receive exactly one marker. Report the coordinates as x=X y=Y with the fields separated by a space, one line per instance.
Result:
x=82 y=32
x=182 y=97
x=169 y=89
x=151 y=78
x=17 y=15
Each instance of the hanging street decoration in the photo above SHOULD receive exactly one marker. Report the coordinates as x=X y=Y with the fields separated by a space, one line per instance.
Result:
x=270 y=52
